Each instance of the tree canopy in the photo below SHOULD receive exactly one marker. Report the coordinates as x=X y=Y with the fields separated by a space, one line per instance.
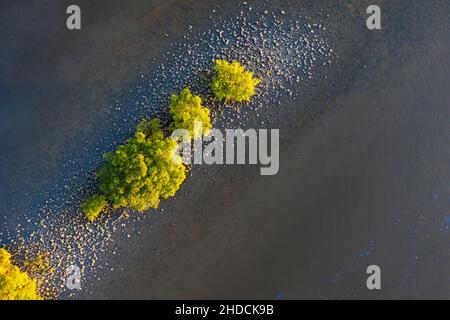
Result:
x=93 y=206
x=185 y=109
x=143 y=171
x=15 y=284
x=232 y=82
x=147 y=169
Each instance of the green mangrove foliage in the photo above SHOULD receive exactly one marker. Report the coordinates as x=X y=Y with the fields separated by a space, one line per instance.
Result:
x=146 y=169
x=232 y=82
x=143 y=171
x=185 y=109
x=93 y=206
x=15 y=284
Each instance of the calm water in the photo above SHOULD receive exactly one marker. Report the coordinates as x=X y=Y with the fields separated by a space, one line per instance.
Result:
x=363 y=179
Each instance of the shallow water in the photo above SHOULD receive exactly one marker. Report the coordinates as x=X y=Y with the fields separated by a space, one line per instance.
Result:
x=363 y=173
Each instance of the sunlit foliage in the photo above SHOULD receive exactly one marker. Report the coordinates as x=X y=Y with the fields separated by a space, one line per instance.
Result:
x=143 y=171
x=93 y=206
x=15 y=284
x=232 y=82
x=185 y=109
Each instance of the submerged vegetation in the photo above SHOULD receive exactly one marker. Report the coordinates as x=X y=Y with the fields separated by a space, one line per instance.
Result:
x=14 y=283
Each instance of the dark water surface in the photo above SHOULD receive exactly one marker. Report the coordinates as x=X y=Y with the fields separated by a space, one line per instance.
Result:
x=364 y=168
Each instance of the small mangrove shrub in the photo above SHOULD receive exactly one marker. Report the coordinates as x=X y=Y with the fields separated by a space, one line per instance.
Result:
x=186 y=108
x=232 y=82
x=93 y=206
x=143 y=171
x=15 y=284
